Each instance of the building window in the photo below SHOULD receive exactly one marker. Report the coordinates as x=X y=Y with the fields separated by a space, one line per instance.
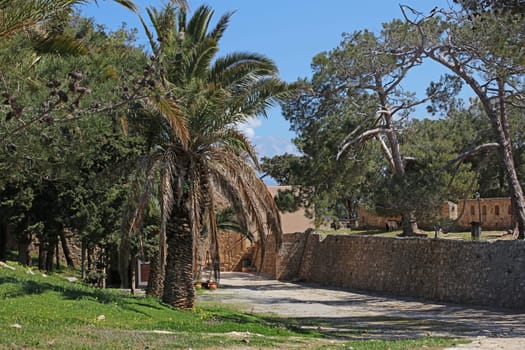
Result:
x=496 y=210
x=484 y=210
x=472 y=210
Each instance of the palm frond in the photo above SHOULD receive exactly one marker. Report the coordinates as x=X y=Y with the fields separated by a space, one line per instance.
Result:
x=198 y=25
x=181 y=4
x=173 y=116
x=248 y=195
x=238 y=143
x=235 y=67
x=200 y=58
x=129 y=4
x=137 y=205
x=221 y=26
x=256 y=96
x=16 y=15
x=59 y=43
x=226 y=219
x=151 y=39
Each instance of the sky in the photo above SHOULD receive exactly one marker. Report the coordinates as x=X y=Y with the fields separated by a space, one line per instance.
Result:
x=290 y=32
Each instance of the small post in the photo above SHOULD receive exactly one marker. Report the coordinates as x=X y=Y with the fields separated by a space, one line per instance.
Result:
x=476 y=225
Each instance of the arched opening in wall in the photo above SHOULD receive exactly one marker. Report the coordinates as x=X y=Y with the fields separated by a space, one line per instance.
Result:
x=496 y=210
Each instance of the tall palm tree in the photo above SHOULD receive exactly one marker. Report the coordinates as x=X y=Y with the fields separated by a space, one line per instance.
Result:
x=213 y=95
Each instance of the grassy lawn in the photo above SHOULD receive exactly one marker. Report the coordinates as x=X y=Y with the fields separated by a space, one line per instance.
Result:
x=38 y=312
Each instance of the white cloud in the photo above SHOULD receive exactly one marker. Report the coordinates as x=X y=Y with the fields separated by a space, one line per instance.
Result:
x=248 y=127
x=270 y=146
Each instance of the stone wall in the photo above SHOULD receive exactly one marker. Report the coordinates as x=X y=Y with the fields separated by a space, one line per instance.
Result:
x=467 y=272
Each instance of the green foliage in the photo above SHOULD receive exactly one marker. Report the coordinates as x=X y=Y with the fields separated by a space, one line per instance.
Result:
x=64 y=140
x=226 y=220
x=287 y=201
x=479 y=7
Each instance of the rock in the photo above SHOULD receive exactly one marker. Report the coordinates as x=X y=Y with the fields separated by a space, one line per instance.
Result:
x=16 y=325
x=156 y=331
x=5 y=266
x=30 y=272
x=71 y=279
x=101 y=318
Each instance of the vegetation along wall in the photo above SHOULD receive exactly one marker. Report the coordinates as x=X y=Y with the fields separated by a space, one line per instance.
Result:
x=469 y=272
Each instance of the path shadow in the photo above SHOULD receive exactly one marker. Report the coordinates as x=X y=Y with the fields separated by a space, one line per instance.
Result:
x=366 y=315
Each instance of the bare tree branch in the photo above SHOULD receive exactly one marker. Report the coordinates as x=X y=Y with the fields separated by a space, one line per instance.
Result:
x=470 y=152
x=361 y=138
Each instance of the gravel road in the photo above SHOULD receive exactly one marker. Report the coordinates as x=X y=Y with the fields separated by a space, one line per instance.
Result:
x=360 y=315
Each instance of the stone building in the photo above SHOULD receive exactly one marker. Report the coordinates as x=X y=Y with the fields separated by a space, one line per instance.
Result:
x=496 y=213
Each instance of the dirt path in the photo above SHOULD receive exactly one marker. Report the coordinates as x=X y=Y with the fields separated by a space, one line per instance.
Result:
x=355 y=315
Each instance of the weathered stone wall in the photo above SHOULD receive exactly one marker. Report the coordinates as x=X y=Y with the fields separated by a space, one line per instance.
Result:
x=270 y=264
x=290 y=255
x=469 y=272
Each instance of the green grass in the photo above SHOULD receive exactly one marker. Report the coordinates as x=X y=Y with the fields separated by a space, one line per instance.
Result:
x=39 y=312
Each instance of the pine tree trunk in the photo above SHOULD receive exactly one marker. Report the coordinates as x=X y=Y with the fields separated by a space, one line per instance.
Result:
x=409 y=224
x=497 y=115
x=133 y=278
x=178 y=284
x=57 y=254
x=89 y=264
x=516 y=192
x=24 y=249
x=42 y=255
x=123 y=260
x=500 y=126
x=50 y=254
x=83 y=259
x=3 y=242
x=65 y=249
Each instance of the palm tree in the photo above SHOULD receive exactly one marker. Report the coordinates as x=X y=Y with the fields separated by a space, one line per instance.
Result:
x=16 y=15
x=207 y=97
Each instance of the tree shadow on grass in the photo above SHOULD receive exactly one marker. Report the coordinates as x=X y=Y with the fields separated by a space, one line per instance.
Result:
x=68 y=291
x=367 y=327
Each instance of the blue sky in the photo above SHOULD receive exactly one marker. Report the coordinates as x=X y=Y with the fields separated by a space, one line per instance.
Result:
x=290 y=32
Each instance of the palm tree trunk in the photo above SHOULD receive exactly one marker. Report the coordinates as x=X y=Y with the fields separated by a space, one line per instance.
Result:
x=155 y=286
x=178 y=284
